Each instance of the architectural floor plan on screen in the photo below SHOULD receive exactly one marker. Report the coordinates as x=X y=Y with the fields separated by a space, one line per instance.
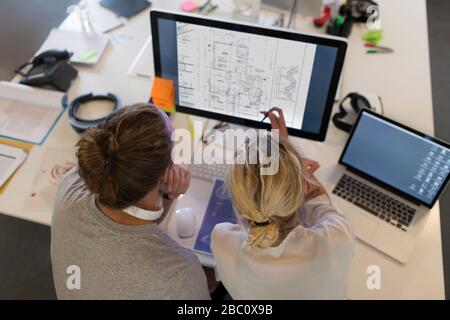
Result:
x=241 y=74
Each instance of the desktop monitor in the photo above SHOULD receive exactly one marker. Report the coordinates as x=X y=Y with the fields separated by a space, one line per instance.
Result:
x=231 y=71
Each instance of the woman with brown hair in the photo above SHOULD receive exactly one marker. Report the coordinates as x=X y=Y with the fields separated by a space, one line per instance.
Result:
x=105 y=240
x=292 y=243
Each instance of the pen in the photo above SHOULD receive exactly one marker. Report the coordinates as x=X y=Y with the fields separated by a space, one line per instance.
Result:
x=265 y=117
x=114 y=28
x=204 y=6
x=210 y=9
x=377 y=49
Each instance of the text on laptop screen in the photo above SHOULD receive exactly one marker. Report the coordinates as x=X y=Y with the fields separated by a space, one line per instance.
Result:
x=240 y=74
x=402 y=159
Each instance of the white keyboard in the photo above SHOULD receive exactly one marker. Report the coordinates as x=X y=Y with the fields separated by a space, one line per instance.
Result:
x=208 y=171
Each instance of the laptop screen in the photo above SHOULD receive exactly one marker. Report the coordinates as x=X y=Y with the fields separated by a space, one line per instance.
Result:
x=410 y=162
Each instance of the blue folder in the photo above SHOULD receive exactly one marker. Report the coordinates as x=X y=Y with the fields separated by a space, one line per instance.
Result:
x=220 y=209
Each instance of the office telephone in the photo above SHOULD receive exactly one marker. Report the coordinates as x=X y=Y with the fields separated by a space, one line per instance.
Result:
x=50 y=68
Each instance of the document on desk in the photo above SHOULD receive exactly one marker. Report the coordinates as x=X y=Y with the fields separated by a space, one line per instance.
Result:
x=10 y=159
x=28 y=114
x=219 y=209
x=142 y=66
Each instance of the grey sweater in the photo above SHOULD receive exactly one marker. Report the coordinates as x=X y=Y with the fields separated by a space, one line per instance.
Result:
x=94 y=257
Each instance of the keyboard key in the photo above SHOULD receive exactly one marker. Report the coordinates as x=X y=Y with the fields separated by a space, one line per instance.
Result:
x=375 y=202
x=363 y=206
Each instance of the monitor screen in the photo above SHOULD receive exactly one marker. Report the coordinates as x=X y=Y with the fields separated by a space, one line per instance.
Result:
x=413 y=163
x=231 y=72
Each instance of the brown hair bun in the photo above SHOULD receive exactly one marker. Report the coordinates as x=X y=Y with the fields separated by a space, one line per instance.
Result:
x=123 y=158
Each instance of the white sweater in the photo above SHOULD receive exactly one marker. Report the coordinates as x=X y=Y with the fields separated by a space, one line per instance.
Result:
x=312 y=262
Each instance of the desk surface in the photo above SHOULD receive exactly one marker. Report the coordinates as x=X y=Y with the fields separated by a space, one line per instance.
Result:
x=402 y=79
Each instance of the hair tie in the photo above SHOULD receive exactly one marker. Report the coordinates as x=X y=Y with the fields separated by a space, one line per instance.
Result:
x=108 y=161
x=261 y=224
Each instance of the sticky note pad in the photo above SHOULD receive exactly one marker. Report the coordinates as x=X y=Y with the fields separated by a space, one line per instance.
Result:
x=373 y=36
x=188 y=6
x=88 y=56
x=163 y=94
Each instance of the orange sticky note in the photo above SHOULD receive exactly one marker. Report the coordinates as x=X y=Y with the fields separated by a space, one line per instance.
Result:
x=163 y=94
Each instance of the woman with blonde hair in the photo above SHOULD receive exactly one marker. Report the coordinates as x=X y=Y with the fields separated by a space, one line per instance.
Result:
x=292 y=243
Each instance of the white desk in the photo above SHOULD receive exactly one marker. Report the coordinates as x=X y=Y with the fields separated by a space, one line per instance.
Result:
x=402 y=79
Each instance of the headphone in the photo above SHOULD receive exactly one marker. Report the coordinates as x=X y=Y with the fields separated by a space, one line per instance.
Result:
x=357 y=102
x=80 y=125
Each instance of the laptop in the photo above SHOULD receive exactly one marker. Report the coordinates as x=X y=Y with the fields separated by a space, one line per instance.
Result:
x=389 y=177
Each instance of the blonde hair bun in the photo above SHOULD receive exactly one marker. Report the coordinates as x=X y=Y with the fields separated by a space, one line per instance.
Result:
x=274 y=197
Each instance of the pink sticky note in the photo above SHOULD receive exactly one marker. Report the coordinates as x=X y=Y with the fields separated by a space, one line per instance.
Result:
x=188 y=6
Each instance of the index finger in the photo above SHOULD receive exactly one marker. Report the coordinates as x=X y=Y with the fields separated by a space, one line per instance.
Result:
x=280 y=113
x=274 y=121
x=166 y=174
x=311 y=165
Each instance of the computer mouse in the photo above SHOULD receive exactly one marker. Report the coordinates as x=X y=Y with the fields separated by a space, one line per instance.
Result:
x=185 y=220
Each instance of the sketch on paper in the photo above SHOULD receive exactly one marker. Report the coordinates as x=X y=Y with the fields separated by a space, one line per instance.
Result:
x=241 y=74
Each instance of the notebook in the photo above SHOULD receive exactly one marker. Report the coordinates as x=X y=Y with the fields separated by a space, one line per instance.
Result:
x=219 y=209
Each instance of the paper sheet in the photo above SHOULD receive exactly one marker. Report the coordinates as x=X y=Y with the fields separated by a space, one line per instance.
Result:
x=10 y=159
x=108 y=23
x=25 y=121
x=26 y=113
x=142 y=66
x=18 y=144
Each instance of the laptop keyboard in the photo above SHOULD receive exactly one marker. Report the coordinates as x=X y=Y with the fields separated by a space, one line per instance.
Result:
x=375 y=202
